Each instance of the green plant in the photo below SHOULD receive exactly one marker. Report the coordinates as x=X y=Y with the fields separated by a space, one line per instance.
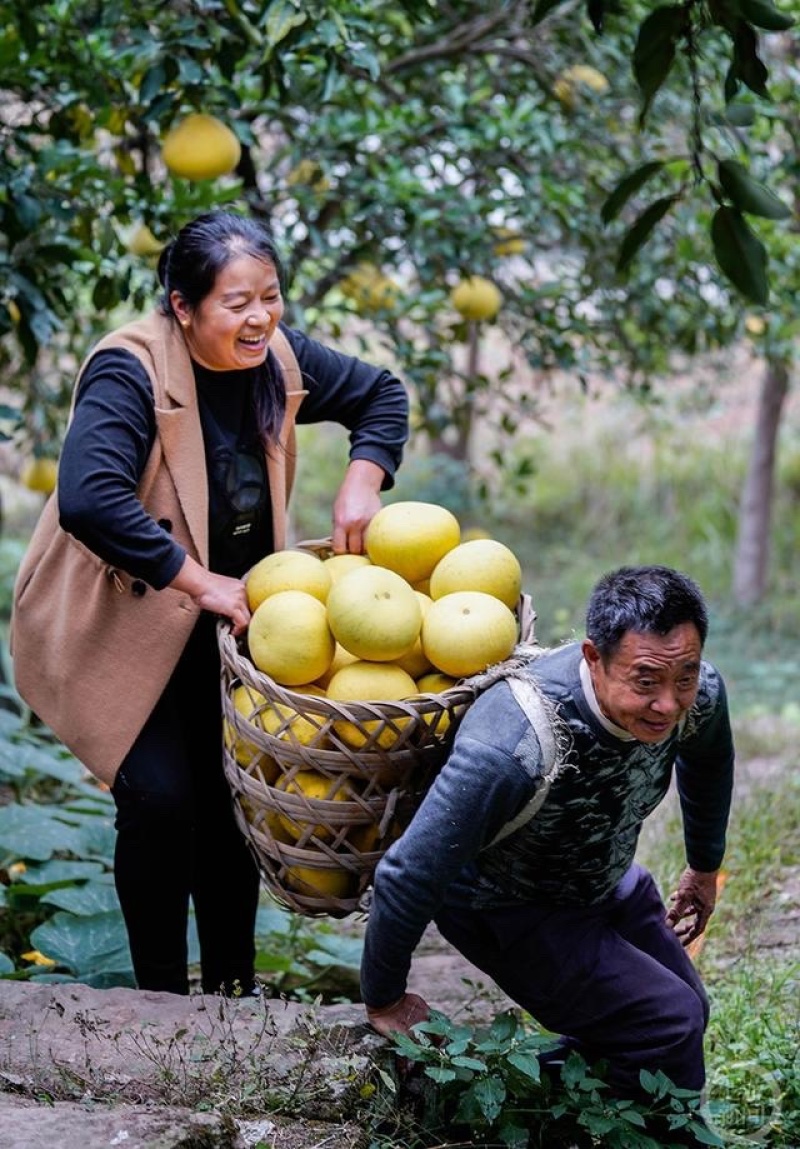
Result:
x=474 y=1084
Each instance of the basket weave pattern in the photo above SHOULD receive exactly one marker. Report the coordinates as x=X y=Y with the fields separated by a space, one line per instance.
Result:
x=372 y=763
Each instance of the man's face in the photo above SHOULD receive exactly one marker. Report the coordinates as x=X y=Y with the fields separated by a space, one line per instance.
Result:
x=650 y=681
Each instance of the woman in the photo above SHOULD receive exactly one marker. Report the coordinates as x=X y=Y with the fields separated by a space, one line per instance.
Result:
x=173 y=480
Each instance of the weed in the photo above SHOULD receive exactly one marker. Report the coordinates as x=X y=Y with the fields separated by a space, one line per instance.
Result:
x=492 y=1086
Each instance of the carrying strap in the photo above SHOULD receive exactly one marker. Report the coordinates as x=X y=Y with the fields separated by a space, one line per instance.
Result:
x=532 y=705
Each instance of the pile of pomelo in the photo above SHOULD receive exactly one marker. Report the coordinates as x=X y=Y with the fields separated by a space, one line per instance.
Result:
x=420 y=601
x=419 y=611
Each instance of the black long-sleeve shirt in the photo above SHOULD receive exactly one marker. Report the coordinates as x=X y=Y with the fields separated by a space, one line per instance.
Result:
x=114 y=427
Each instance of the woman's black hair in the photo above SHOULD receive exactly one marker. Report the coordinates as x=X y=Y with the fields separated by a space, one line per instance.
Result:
x=190 y=265
x=191 y=262
x=644 y=600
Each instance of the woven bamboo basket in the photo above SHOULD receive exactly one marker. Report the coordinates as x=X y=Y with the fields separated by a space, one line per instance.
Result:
x=317 y=841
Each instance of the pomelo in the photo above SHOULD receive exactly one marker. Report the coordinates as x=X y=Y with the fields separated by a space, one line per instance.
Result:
x=310 y=784
x=324 y=883
x=289 y=638
x=415 y=662
x=370 y=682
x=200 y=147
x=287 y=570
x=341 y=657
x=467 y=631
x=410 y=538
x=374 y=614
x=480 y=564
x=476 y=298
x=338 y=565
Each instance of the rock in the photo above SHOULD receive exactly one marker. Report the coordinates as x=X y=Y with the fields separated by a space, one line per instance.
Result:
x=26 y=1124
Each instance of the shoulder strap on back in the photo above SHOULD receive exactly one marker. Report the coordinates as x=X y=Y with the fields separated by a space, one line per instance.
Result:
x=539 y=714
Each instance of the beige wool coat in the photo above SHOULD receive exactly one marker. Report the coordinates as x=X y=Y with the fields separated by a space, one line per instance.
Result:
x=93 y=648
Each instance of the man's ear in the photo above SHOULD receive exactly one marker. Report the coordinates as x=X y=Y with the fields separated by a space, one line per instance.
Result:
x=591 y=654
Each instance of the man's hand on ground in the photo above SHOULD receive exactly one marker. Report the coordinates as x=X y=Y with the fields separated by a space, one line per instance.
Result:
x=692 y=904
x=399 y=1017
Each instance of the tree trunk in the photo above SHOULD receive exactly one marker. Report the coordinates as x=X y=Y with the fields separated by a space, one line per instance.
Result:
x=751 y=560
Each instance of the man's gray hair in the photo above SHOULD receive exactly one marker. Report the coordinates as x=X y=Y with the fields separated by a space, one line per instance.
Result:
x=645 y=600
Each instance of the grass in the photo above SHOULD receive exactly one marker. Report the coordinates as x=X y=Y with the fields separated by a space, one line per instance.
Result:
x=751 y=957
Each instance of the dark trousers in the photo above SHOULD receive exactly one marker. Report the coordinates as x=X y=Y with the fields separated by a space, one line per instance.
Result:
x=177 y=839
x=612 y=978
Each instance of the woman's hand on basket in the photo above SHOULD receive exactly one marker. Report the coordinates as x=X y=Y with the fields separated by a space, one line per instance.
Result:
x=399 y=1017
x=216 y=593
x=357 y=502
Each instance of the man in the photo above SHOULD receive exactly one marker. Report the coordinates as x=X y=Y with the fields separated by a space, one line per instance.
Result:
x=556 y=911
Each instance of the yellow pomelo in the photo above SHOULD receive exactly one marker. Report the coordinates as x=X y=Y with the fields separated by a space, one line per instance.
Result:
x=370 y=682
x=480 y=564
x=341 y=657
x=309 y=173
x=264 y=820
x=285 y=722
x=467 y=631
x=415 y=662
x=509 y=242
x=143 y=242
x=435 y=682
x=289 y=638
x=374 y=614
x=39 y=474
x=369 y=288
x=310 y=784
x=245 y=701
x=315 y=882
x=367 y=838
x=338 y=565
x=200 y=147
x=476 y=298
x=287 y=570
x=410 y=538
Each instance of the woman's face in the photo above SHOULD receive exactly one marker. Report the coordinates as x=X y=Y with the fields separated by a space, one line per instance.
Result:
x=231 y=328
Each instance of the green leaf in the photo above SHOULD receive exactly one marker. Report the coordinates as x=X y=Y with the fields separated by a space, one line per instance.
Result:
x=526 y=1063
x=62 y=871
x=651 y=1082
x=627 y=187
x=641 y=230
x=765 y=15
x=740 y=254
x=504 y=1026
x=654 y=52
x=463 y=1062
x=440 y=1074
x=281 y=18
x=490 y=1094
x=35 y=832
x=153 y=82
x=85 y=900
x=747 y=64
x=6 y=964
x=740 y=115
x=748 y=194
x=88 y=946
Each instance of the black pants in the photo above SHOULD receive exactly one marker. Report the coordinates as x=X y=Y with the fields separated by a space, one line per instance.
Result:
x=612 y=978
x=177 y=838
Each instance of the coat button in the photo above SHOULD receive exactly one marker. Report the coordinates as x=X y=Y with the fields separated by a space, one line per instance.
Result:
x=138 y=587
x=166 y=525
